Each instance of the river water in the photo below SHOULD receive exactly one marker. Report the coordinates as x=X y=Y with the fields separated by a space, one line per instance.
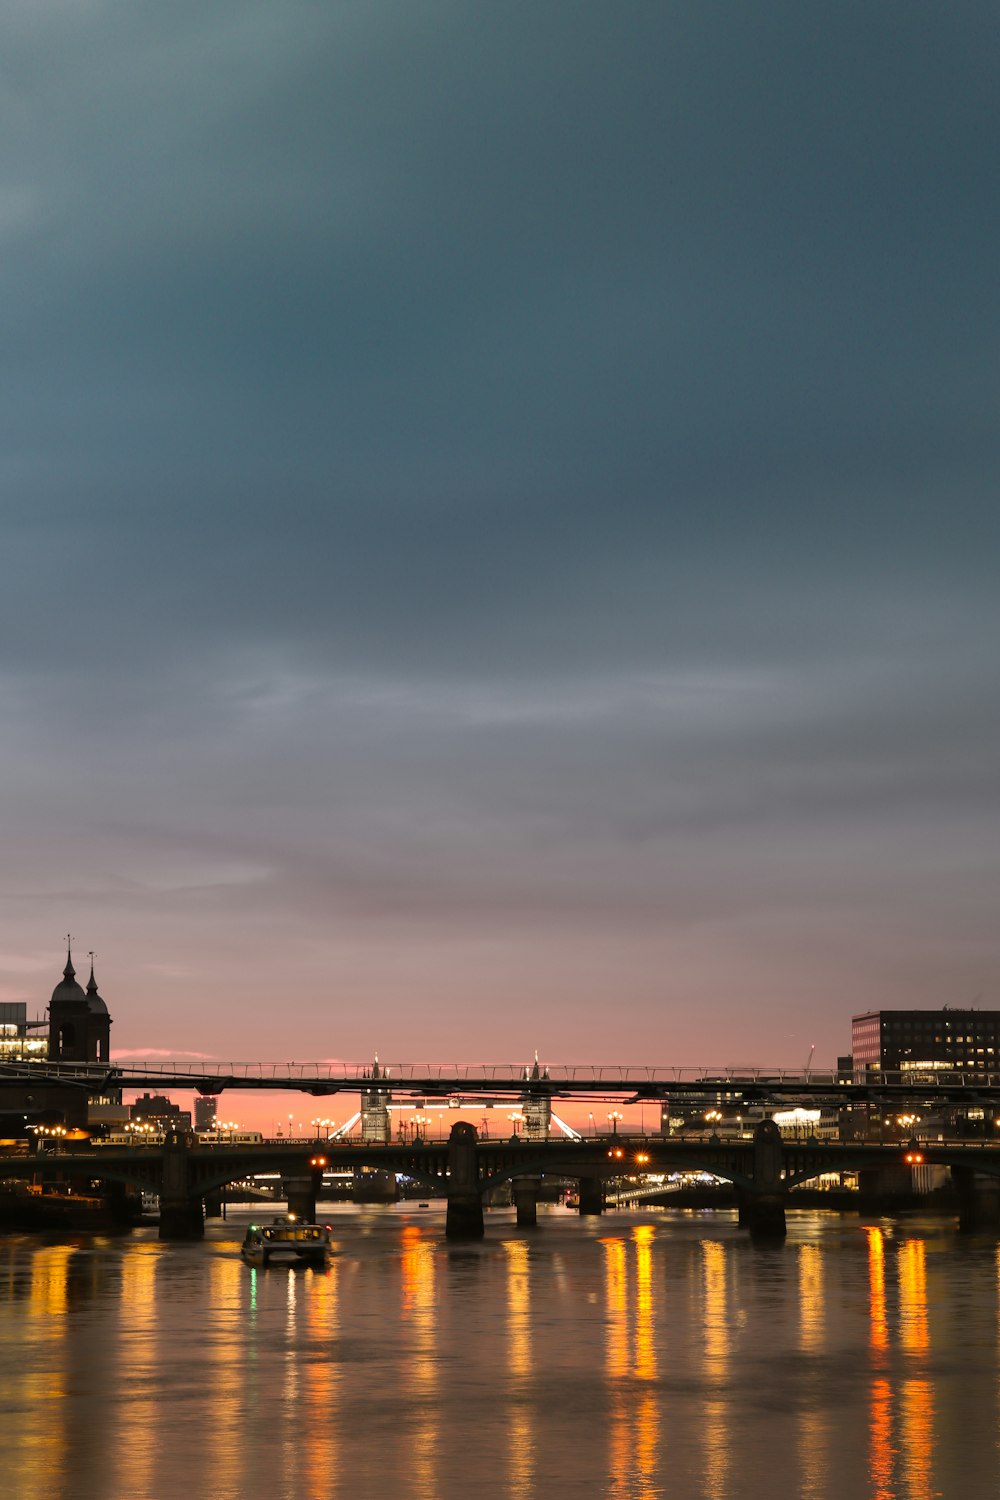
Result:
x=630 y=1356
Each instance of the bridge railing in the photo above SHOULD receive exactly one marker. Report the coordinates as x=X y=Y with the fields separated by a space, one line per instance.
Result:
x=478 y=1077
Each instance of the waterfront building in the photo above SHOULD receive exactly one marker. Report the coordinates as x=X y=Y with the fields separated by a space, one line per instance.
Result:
x=926 y=1041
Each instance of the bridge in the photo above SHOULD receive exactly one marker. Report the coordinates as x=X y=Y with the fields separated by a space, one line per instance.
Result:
x=623 y=1084
x=764 y=1169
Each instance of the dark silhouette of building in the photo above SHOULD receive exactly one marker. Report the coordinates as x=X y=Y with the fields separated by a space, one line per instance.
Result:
x=79 y=1023
x=206 y=1109
x=158 y=1110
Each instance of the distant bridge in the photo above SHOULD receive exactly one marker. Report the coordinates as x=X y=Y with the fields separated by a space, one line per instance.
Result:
x=624 y=1084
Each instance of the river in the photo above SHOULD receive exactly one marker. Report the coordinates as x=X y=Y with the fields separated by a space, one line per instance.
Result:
x=632 y=1356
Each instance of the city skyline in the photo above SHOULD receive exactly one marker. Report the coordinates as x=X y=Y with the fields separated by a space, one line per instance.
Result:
x=499 y=513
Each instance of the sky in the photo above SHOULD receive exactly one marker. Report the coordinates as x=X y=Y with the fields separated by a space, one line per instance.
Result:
x=499 y=523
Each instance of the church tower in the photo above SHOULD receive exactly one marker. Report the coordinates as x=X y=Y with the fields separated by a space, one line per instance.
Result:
x=79 y=1023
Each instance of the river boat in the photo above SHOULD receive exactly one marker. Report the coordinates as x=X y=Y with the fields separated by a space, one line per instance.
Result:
x=287 y=1240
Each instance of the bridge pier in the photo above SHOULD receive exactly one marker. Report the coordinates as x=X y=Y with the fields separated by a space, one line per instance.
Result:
x=763 y=1214
x=762 y=1207
x=978 y=1199
x=181 y=1211
x=181 y=1219
x=591 y=1196
x=213 y=1204
x=300 y=1194
x=375 y=1187
x=525 y=1191
x=886 y=1188
x=465 y=1202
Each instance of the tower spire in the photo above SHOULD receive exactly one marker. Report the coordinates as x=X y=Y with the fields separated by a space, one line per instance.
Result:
x=69 y=972
x=91 y=982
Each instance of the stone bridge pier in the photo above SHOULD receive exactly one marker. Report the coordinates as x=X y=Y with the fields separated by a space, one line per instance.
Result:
x=465 y=1202
x=299 y=1191
x=525 y=1192
x=978 y=1198
x=591 y=1195
x=182 y=1214
x=762 y=1206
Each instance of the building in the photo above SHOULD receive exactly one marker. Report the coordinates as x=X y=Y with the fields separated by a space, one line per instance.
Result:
x=206 y=1110
x=19 y=1040
x=79 y=1023
x=926 y=1041
x=161 y=1112
x=78 y=1030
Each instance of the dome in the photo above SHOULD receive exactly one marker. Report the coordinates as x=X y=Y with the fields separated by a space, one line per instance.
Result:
x=68 y=989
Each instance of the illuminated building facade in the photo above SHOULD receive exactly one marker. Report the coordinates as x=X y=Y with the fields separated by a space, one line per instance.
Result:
x=18 y=1041
x=926 y=1041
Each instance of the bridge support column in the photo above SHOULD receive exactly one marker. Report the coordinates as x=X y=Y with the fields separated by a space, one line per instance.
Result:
x=181 y=1219
x=300 y=1194
x=213 y=1204
x=465 y=1203
x=886 y=1188
x=978 y=1199
x=591 y=1195
x=181 y=1213
x=525 y=1190
x=762 y=1207
x=375 y=1187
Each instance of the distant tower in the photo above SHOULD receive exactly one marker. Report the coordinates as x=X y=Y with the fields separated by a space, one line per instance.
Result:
x=375 y=1108
x=536 y=1107
x=79 y=1024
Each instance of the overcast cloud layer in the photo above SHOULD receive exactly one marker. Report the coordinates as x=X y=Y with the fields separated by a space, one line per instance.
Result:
x=498 y=510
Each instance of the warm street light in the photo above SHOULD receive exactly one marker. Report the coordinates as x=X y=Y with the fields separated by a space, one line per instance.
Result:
x=614 y=1116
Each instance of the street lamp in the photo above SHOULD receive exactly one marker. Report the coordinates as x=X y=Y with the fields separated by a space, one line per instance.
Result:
x=614 y=1116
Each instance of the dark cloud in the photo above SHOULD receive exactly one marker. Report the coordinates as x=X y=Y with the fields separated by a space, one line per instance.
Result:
x=505 y=473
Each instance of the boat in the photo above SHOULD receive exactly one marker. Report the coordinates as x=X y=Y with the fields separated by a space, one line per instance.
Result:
x=286 y=1239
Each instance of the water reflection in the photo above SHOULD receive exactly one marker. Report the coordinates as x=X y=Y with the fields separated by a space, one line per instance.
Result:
x=519 y=1367
x=917 y=1400
x=322 y=1388
x=649 y=1359
x=715 y=1271
x=418 y=1306
x=813 y=1415
x=36 y=1446
x=136 y=1446
x=223 y=1346
x=881 y=1456
x=630 y=1360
